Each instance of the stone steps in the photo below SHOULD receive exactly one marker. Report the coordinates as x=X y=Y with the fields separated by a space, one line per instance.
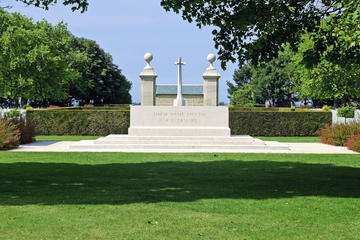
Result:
x=125 y=143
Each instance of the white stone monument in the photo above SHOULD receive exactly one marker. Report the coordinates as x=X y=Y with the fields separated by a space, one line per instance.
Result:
x=179 y=120
x=177 y=128
x=211 y=83
x=179 y=101
x=148 y=82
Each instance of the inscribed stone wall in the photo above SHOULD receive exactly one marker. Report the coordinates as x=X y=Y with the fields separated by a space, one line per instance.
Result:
x=168 y=99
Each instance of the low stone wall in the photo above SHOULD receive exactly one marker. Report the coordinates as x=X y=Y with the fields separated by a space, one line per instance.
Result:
x=337 y=120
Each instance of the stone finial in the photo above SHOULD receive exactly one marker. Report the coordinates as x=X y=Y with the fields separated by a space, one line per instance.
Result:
x=148 y=57
x=211 y=59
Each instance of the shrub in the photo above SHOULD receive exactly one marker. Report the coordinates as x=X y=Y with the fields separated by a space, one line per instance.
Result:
x=14 y=113
x=338 y=134
x=346 y=112
x=9 y=135
x=325 y=108
x=26 y=128
x=29 y=109
x=353 y=143
x=80 y=122
x=278 y=123
x=25 y=106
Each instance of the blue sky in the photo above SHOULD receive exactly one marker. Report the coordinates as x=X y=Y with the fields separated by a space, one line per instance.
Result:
x=129 y=29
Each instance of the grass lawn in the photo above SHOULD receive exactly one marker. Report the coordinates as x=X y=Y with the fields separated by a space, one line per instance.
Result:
x=179 y=196
x=65 y=138
x=291 y=139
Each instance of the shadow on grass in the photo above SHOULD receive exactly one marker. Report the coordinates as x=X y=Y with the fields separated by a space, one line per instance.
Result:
x=63 y=183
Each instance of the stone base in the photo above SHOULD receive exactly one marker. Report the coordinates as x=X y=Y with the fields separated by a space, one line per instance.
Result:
x=178 y=131
x=179 y=121
x=126 y=143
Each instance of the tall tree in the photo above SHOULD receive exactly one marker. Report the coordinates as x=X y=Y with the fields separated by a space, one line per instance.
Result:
x=100 y=79
x=257 y=29
x=34 y=59
x=325 y=79
x=241 y=77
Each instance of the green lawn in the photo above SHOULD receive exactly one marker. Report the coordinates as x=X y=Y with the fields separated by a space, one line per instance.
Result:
x=179 y=196
x=291 y=139
x=65 y=138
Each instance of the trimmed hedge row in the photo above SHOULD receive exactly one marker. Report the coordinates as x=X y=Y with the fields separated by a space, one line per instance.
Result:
x=105 y=122
x=270 y=124
x=82 y=123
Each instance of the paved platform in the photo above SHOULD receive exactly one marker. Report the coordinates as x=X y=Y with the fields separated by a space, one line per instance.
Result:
x=241 y=144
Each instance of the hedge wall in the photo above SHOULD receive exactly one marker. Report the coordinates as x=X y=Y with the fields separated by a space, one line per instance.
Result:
x=303 y=123
x=104 y=122
x=80 y=122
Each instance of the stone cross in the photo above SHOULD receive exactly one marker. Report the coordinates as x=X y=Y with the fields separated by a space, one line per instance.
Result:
x=179 y=101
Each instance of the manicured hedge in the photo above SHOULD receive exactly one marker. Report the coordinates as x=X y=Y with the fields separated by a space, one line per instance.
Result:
x=102 y=122
x=302 y=123
x=80 y=122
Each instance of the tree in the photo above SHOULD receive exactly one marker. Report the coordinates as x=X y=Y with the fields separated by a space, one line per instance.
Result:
x=242 y=96
x=262 y=82
x=241 y=77
x=272 y=80
x=100 y=80
x=325 y=79
x=34 y=59
x=76 y=4
x=258 y=29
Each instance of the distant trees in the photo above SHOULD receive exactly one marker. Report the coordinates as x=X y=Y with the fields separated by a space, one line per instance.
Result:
x=45 y=64
x=100 y=80
x=289 y=77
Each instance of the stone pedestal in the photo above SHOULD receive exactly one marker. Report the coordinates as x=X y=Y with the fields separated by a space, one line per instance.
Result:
x=211 y=83
x=148 y=83
x=179 y=121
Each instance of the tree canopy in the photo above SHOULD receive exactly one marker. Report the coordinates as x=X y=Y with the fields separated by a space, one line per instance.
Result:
x=81 y=5
x=45 y=64
x=34 y=58
x=256 y=30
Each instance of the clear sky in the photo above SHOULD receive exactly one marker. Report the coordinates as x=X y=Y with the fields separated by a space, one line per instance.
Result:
x=129 y=29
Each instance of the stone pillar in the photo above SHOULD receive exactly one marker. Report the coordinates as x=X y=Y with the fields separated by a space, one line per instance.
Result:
x=148 y=83
x=211 y=83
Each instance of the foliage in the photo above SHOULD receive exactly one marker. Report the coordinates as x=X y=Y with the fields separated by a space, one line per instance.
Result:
x=353 y=143
x=100 y=79
x=242 y=96
x=13 y=113
x=268 y=81
x=76 y=4
x=34 y=58
x=271 y=123
x=325 y=108
x=338 y=134
x=9 y=135
x=48 y=66
x=257 y=30
x=324 y=79
x=346 y=112
x=272 y=80
x=25 y=127
x=80 y=122
x=241 y=77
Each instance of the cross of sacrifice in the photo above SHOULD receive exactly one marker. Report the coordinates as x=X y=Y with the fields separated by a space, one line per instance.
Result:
x=179 y=101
